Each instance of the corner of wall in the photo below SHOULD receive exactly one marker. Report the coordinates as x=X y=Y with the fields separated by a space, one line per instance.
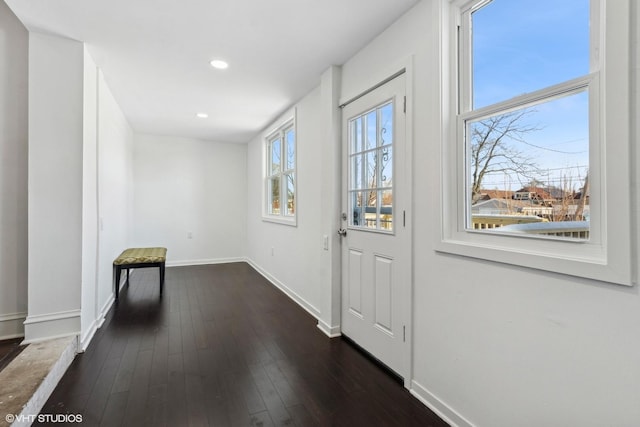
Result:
x=14 y=48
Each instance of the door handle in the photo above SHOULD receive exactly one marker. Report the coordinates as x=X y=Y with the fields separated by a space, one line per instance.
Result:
x=342 y=232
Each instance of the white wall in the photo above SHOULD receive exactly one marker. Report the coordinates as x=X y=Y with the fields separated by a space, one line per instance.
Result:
x=498 y=345
x=14 y=41
x=107 y=196
x=115 y=190
x=184 y=186
x=297 y=264
x=55 y=186
x=331 y=202
x=89 y=309
x=69 y=109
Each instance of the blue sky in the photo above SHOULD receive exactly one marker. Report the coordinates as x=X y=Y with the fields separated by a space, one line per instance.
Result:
x=522 y=46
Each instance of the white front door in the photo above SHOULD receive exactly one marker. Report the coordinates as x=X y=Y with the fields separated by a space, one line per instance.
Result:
x=376 y=245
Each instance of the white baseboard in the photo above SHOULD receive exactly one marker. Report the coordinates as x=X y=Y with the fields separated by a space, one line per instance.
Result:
x=88 y=336
x=443 y=410
x=97 y=324
x=287 y=291
x=185 y=263
x=104 y=310
x=49 y=326
x=12 y=325
x=330 y=331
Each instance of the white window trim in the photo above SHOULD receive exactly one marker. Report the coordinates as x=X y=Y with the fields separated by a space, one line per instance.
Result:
x=608 y=254
x=289 y=122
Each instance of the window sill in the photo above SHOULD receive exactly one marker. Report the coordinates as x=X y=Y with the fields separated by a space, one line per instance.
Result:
x=586 y=260
x=291 y=221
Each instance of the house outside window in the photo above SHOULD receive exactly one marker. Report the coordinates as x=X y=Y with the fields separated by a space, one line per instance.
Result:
x=538 y=104
x=280 y=176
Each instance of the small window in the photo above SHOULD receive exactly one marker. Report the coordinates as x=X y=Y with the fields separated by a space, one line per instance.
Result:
x=280 y=179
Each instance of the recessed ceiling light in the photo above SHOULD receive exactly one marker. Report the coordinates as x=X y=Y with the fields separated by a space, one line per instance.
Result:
x=219 y=64
x=202 y=115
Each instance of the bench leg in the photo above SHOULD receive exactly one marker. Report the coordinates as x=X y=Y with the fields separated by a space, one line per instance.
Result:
x=117 y=279
x=161 y=266
x=127 y=282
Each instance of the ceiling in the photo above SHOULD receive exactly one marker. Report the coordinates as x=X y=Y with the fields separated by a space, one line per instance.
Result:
x=155 y=54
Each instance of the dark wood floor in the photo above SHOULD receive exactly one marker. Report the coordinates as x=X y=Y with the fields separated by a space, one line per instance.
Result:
x=223 y=347
x=9 y=349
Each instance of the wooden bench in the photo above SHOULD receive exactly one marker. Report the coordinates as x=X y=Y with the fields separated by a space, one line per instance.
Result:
x=139 y=258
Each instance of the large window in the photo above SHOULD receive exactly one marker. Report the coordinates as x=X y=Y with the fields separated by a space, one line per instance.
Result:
x=534 y=118
x=280 y=177
x=525 y=103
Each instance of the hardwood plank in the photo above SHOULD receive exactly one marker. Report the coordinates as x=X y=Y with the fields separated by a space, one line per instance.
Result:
x=274 y=404
x=301 y=417
x=261 y=419
x=139 y=391
x=285 y=391
x=160 y=360
x=114 y=412
x=241 y=388
x=156 y=409
x=196 y=413
x=215 y=399
x=125 y=372
x=176 y=391
x=99 y=397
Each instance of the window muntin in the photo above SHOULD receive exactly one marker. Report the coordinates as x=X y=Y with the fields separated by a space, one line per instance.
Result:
x=371 y=169
x=537 y=142
x=280 y=178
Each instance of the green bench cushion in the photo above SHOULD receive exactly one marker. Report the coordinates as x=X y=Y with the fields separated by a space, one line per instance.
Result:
x=141 y=256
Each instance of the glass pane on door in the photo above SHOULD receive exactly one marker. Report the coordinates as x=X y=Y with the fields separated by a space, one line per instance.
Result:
x=371 y=169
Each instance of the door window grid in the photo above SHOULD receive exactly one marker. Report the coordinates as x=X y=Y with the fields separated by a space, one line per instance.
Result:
x=371 y=169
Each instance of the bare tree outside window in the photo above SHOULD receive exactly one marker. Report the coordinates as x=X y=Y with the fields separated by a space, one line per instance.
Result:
x=493 y=150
